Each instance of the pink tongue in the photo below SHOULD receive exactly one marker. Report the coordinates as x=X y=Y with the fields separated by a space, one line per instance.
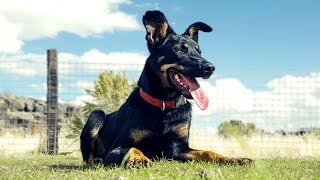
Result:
x=197 y=93
x=200 y=98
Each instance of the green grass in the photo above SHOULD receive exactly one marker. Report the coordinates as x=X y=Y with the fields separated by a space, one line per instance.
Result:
x=69 y=167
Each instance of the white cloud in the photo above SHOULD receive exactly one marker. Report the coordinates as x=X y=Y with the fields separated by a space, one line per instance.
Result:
x=29 y=64
x=9 y=41
x=22 y=21
x=22 y=64
x=289 y=102
x=82 y=84
x=227 y=95
x=94 y=56
x=80 y=100
x=97 y=61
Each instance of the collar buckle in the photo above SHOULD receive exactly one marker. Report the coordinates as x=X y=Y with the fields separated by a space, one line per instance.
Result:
x=163 y=107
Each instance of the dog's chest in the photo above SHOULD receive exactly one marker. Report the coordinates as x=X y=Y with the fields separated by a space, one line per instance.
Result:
x=157 y=135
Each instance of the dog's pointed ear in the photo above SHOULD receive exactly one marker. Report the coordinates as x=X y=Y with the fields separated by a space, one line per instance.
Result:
x=157 y=27
x=193 y=29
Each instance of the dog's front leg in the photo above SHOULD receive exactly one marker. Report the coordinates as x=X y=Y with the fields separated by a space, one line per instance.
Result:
x=177 y=147
x=209 y=156
x=128 y=158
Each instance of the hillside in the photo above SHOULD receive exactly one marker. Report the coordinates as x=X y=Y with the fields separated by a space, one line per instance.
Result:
x=26 y=113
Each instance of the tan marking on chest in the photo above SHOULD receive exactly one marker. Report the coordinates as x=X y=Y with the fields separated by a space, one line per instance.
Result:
x=137 y=135
x=182 y=129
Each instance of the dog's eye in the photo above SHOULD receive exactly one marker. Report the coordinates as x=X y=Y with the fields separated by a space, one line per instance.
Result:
x=182 y=49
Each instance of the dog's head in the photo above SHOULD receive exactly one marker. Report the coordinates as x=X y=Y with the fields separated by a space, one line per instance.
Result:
x=176 y=59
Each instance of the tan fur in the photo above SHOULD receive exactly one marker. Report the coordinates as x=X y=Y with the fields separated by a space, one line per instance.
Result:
x=135 y=159
x=192 y=32
x=164 y=68
x=209 y=156
x=157 y=29
x=182 y=129
x=137 y=135
x=94 y=133
x=164 y=30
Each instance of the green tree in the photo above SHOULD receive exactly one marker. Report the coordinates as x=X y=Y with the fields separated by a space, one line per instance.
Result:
x=109 y=93
x=251 y=129
x=236 y=128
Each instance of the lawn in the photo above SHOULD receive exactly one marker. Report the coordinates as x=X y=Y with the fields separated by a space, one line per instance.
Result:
x=70 y=167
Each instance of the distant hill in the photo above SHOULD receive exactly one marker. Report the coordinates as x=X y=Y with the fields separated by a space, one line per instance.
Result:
x=28 y=113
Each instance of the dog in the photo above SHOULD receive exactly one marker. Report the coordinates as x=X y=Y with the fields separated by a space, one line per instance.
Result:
x=155 y=120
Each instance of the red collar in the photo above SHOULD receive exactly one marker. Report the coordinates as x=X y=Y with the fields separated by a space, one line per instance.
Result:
x=162 y=104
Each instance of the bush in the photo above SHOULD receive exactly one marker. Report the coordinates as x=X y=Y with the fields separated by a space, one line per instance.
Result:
x=109 y=93
x=236 y=128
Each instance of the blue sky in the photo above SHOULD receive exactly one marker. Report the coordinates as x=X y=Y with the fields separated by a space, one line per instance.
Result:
x=252 y=40
x=256 y=46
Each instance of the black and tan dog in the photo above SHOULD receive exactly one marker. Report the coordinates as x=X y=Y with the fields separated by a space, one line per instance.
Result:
x=155 y=120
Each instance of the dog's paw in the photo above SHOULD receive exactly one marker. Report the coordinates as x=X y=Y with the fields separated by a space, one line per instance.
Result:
x=243 y=161
x=136 y=159
x=94 y=161
x=136 y=162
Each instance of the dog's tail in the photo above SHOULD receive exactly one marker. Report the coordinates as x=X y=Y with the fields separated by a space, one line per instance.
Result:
x=90 y=142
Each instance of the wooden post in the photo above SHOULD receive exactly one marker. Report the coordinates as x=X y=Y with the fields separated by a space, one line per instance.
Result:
x=52 y=102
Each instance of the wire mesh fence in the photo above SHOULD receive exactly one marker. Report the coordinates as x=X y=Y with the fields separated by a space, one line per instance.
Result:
x=280 y=118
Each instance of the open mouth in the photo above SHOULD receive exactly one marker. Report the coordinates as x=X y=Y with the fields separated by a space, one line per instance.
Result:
x=189 y=87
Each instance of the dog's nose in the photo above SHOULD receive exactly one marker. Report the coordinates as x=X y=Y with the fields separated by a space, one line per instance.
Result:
x=208 y=69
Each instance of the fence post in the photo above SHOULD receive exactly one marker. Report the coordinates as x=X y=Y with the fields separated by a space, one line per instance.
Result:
x=52 y=102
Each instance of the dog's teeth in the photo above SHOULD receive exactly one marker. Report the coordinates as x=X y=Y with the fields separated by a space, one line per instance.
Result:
x=176 y=76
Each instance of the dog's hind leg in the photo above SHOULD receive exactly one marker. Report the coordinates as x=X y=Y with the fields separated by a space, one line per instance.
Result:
x=90 y=142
